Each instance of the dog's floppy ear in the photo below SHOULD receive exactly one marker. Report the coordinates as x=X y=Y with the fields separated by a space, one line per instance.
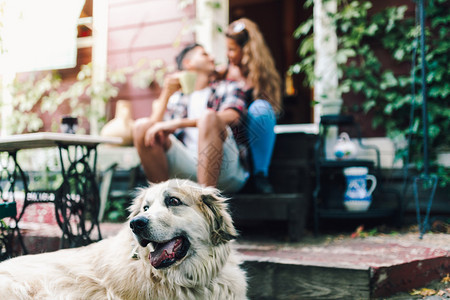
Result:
x=222 y=229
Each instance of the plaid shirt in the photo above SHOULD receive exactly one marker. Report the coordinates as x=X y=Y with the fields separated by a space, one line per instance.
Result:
x=224 y=95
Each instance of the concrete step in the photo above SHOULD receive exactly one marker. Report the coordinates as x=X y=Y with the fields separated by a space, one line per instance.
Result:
x=315 y=268
x=347 y=269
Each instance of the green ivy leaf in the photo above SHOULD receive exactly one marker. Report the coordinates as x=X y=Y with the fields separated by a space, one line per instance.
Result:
x=389 y=79
x=368 y=105
x=303 y=29
x=372 y=29
x=399 y=54
x=306 y=47
x=388 y=109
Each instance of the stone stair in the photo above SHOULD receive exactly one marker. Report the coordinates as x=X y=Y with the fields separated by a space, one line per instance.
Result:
x=360 y=268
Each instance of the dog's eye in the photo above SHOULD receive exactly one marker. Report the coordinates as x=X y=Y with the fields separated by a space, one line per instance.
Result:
x=146 y=208
x=172 y=201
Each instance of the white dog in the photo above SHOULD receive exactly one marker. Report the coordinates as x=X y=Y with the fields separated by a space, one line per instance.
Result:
x=178 y=248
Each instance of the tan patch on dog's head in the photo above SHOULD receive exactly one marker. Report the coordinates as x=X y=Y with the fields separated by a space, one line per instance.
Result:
x=216 y=212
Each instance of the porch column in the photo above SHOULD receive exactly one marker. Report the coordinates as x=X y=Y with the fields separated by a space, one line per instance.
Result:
x=210 y=18
x=325 y=68
x=325 y=45
x=99 y=59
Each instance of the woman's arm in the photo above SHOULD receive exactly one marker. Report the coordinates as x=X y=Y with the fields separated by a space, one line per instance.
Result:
x=229 y=116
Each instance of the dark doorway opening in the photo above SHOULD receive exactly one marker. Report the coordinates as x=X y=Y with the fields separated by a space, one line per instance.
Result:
x=277 y=20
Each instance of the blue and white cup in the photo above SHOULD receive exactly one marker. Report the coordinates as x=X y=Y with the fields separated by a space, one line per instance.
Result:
x=357 y=197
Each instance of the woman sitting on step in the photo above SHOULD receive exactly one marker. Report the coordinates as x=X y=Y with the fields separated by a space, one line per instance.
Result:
x=252 y=65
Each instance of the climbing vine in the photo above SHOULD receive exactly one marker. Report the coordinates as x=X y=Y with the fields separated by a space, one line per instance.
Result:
x=364 y=38
x=42 y=92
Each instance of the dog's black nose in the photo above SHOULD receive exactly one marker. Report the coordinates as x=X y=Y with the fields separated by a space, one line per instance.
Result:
x=138 y=224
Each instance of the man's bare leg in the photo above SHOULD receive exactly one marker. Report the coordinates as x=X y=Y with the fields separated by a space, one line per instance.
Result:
x=153 y=159
x=212 y=134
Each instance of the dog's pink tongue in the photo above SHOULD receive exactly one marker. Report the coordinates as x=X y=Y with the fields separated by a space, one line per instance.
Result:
x=164 y=251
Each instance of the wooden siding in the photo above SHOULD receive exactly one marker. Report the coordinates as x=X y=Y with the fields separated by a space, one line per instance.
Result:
x=144 y=29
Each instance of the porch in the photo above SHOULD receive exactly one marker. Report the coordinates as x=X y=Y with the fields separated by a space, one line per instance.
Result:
x=333 y=265
x=377 y=262
x=338 y=263
x=341 y=262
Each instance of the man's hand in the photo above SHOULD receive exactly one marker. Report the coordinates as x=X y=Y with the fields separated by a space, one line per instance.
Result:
x=171 y=84
x=158 y=133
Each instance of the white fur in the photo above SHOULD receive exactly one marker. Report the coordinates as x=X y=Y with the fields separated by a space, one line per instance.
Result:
x=119 y=268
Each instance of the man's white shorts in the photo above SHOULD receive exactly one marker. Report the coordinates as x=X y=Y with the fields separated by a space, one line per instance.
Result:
x=183 y=164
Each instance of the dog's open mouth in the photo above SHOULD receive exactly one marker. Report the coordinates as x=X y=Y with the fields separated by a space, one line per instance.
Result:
x=167 y=253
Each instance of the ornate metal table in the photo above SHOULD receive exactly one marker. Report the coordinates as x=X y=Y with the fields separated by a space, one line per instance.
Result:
x=76 y=199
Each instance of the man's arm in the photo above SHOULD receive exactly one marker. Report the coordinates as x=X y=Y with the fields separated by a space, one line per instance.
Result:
x=160 y=130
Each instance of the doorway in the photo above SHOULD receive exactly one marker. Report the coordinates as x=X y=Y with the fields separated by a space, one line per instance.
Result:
x=277 y=20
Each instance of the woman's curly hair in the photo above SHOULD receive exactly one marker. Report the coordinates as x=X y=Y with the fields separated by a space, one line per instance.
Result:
x=257 y=63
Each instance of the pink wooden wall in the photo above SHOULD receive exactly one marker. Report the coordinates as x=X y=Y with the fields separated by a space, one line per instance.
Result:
x=144 y=29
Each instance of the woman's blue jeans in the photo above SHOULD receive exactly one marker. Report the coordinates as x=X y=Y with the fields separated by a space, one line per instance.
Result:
x=261 y=135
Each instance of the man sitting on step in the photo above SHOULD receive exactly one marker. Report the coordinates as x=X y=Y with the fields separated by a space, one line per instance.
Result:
x=199 y=136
